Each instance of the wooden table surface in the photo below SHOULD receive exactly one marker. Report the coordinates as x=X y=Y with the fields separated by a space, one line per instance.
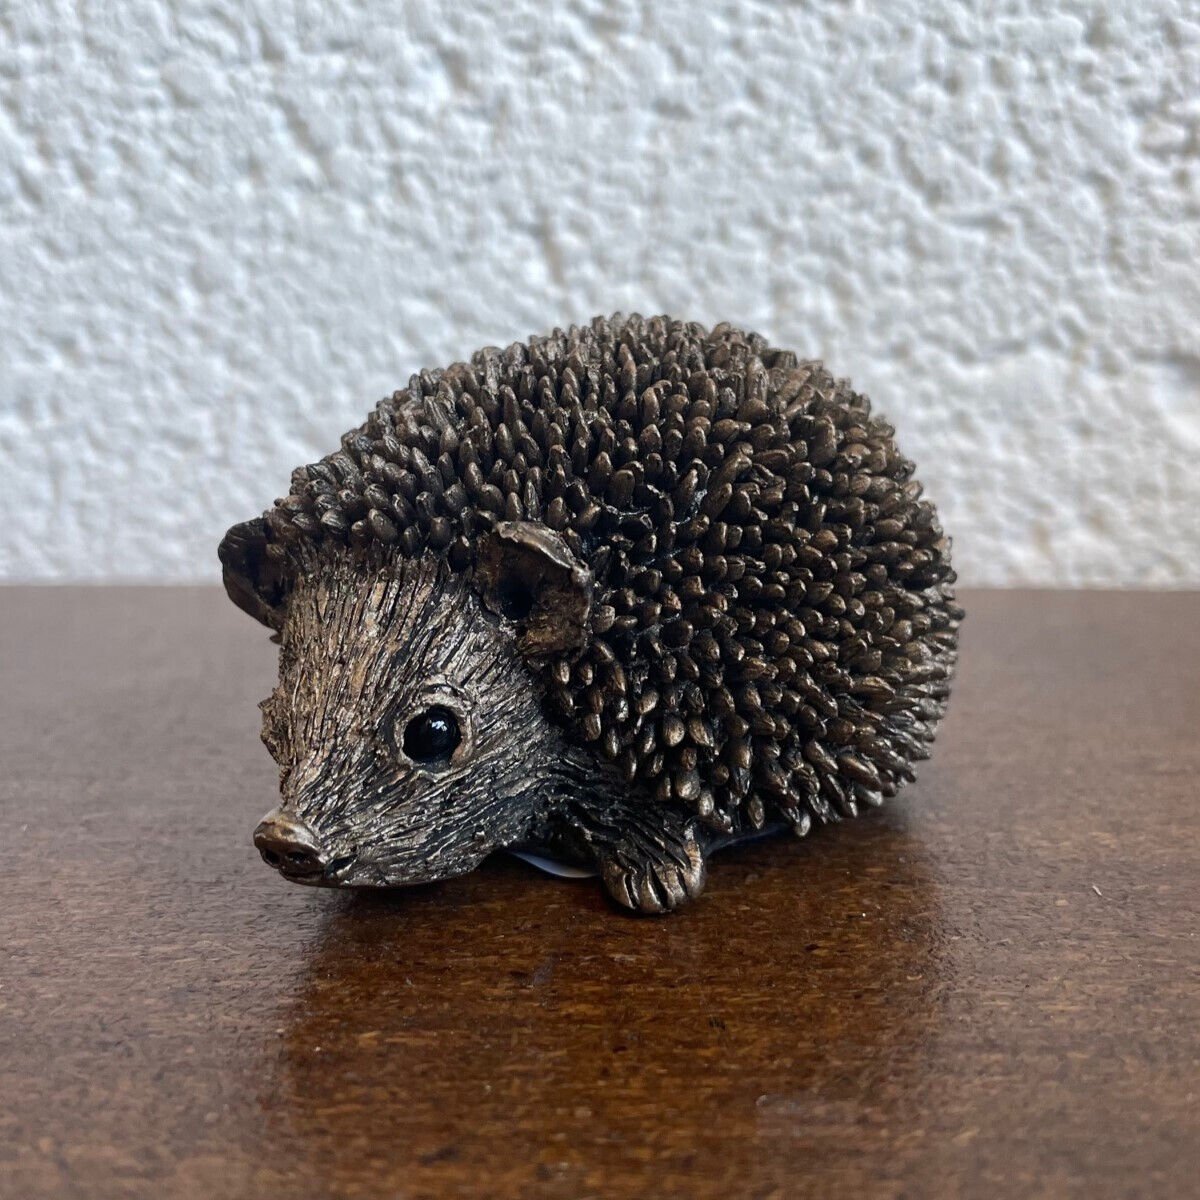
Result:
x=989 y=988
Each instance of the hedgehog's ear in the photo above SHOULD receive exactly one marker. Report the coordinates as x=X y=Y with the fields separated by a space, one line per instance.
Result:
x=254 y=581
x=526 y=572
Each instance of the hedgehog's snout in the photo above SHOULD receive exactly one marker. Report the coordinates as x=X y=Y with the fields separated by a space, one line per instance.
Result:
x=294 y=849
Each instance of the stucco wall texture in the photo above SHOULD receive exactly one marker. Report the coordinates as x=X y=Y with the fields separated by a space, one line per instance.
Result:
x=229 y=228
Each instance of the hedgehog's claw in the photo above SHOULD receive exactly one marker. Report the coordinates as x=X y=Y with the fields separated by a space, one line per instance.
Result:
x=650 y=875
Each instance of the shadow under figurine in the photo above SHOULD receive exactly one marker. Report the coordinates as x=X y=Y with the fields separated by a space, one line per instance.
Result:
x=622 y=594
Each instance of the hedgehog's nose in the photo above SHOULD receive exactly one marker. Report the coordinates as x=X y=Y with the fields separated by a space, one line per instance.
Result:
x=290 y=846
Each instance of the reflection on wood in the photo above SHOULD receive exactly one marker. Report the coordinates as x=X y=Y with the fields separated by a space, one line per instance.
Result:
x=989 y=987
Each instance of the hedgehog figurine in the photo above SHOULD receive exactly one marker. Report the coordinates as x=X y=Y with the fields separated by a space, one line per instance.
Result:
x=623 y=594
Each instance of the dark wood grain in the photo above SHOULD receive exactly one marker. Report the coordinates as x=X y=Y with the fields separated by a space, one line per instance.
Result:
x=989 y=988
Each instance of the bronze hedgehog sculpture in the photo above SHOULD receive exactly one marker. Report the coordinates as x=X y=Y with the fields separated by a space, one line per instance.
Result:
x=625 y=593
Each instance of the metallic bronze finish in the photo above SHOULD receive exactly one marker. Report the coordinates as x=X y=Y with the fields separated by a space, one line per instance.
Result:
x=667 y=588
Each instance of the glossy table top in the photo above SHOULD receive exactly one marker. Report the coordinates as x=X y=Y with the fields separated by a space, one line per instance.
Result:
x=991 y=987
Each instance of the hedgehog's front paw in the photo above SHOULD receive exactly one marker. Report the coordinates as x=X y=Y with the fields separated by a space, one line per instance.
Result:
x=655 y=873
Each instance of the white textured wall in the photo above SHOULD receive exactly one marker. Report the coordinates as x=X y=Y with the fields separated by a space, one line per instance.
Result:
x=228 y=228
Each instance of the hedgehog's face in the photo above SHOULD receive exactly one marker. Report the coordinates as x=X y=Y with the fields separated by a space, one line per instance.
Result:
x=407 y=725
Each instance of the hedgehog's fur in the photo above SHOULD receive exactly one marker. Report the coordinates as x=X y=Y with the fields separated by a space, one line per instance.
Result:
x=773 y=625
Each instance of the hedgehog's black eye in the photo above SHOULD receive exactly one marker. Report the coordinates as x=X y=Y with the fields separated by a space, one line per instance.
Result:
x=432 y=735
